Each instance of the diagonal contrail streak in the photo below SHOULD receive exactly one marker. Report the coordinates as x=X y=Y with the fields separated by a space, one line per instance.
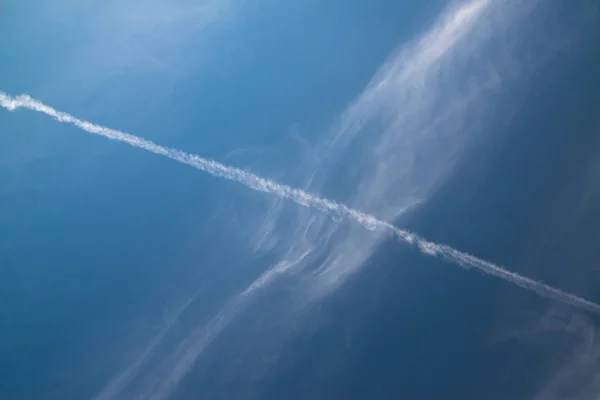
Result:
x=303 y=198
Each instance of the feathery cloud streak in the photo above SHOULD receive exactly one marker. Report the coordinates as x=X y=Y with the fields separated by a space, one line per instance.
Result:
x=402 y=137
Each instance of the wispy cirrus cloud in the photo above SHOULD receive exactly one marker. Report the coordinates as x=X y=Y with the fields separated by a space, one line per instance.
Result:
x=392 y=146
x=401 y=137
x=336 y=267
x=388 y=151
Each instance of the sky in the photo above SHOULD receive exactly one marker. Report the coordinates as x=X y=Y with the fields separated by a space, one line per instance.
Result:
x=127 y=275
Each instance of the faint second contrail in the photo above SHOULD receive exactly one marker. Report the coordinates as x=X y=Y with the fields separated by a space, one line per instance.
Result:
x=305 y=199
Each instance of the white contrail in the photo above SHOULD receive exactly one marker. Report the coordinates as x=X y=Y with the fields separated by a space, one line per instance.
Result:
x=305 y=199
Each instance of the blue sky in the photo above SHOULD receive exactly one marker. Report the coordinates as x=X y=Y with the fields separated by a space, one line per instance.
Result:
x=124 y=274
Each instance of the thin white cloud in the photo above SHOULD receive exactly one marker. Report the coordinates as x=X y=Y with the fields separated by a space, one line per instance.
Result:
x=403 y=135
x=181 y=361
x=300 y=197
x=125 y=377
x=141 y=44
x=571 y=347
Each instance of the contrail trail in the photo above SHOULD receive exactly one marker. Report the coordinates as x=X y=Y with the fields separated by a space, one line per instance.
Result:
x=303 y=198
